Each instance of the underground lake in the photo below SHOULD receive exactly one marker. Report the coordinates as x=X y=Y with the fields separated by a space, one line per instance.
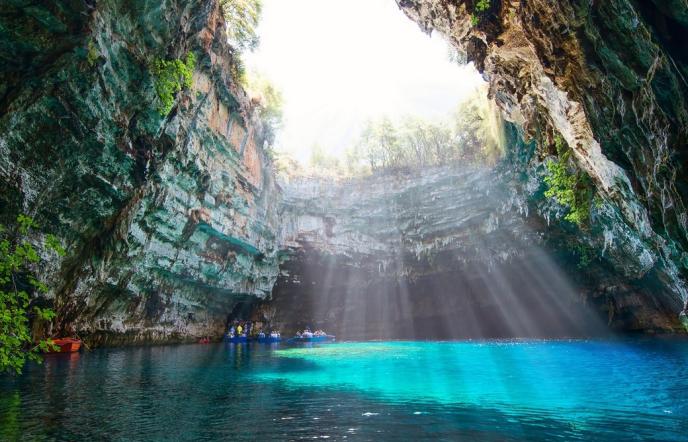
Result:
x=375 y=220
x=412 y=390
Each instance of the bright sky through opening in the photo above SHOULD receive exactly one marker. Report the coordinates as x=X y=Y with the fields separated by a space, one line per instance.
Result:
x=340 y=62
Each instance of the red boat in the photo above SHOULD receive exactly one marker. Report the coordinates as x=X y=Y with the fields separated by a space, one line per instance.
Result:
x=66 y=345
x=204 y=341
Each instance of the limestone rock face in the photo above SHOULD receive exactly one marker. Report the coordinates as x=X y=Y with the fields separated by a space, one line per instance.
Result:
x=610 y=77
x=168 y=220
x=172 y=222
x=447 y=252
x=454 y=252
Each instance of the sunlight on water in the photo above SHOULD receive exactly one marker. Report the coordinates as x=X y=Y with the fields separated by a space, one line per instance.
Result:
x=576 y=381
x=498 y=390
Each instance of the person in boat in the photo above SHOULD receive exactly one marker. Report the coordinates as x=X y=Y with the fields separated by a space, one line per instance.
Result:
x=232 y=331
x=239 y=329
x=298 y=334
x=307 y=333
x=261 y=335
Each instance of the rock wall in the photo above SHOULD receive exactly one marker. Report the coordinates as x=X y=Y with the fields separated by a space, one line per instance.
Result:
x=173 y=221
x=610 y=77
x=169 y=221
x=437 y=253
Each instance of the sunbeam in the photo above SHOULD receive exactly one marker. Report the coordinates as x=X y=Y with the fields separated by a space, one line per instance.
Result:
x=471 y=268
x=344 y=219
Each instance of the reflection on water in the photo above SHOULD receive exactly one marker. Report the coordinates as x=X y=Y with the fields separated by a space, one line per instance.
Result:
x=537 y=390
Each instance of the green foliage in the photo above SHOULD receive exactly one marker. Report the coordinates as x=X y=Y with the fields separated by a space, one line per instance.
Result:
x=482 y=5
x=570 y=189
x=471 y=135
x=17 y=256
x=242 y=18
x=92 y=53
x=170 y=77
x=238 y=70
x=268 y=101
x=53 y=243
x=584 y=253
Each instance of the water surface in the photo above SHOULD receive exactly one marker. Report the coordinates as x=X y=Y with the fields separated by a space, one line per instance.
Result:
x=521 y=390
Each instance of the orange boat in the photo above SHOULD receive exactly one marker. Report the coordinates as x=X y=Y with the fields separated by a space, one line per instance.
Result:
x=66 y=345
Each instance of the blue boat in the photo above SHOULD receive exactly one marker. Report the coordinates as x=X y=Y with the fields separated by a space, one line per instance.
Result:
x=268 y=340
x=236 y=339
x=298 y=340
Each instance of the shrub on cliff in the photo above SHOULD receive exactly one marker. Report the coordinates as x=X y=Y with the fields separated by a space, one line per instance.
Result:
x=17 y=256
x=569 y=188
x=170 y=77
x=481 y=6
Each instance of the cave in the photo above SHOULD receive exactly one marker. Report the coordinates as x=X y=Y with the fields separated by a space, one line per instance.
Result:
x=175 y=224
x=423 y=255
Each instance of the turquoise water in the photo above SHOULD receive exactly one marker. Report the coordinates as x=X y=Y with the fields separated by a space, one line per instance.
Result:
x=522 y=390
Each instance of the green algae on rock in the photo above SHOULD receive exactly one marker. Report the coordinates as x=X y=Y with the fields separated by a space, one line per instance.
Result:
x=153 y=209
x=171 y=76
x=610 y=77
x=175 y=221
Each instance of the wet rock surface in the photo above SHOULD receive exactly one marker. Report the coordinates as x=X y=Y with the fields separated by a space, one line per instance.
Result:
x=610 y=77
x=173 y=222
x=460 y=251
x=168 y=220
x=447 y=252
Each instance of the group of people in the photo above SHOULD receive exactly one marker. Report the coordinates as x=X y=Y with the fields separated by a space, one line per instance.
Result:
x=243 y=329
x=307 y=333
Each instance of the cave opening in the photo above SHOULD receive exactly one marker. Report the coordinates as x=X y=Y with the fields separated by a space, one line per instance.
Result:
x=397 y=213
x=170 y=193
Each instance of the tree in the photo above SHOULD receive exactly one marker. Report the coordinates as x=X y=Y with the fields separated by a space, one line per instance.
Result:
x=268 y=101
x=471 y=135
x=478 y=129
x=322 y=161
x=242 y=18
x=17 y=281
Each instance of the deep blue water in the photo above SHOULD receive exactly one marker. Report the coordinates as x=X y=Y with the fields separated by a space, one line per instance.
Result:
x=523 y=390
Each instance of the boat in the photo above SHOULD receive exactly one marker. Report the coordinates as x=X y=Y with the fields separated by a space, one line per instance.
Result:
x=65 y=345
x=233 y=339
x=204 y=341
x=268 y=339
x=301 y=339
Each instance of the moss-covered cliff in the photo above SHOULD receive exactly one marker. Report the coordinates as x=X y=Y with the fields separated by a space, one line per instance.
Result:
x=124 y=134
x=444 y=252
x=610 y=78
x=164 y=203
